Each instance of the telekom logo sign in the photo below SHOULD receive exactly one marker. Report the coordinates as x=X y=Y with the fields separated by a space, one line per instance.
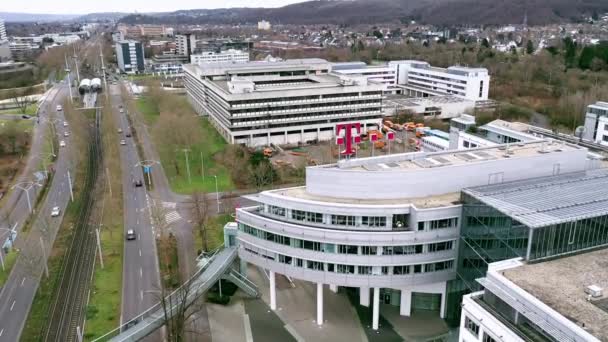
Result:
x=347 y=140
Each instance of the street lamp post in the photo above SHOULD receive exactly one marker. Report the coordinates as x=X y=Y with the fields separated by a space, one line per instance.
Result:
x=26 y=186
x=217 y=194
x=147 y=165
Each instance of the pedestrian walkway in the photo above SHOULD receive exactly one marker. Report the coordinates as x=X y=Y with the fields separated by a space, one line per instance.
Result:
x=171 y=216
x=296 y=309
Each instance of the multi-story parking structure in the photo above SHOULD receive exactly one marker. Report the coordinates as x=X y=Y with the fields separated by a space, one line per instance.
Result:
x=288 y=102
x=389 y=223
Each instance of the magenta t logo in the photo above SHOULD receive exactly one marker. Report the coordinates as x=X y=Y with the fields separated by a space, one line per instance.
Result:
x=348 y=136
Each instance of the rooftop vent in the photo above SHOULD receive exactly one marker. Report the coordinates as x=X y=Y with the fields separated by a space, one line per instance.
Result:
x=594 y=291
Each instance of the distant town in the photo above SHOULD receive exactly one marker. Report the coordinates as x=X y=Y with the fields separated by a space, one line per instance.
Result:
x=181 y=177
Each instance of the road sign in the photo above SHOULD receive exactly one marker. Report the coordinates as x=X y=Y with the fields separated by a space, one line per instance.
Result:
x=147 y=169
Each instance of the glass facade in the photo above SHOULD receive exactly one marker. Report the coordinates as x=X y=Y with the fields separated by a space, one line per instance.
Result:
x=488 y=235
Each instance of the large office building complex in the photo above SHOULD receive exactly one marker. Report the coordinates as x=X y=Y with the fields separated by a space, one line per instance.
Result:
x=287 y=102
x=420 y=79
x=130 y=56
x=226 y=56
x=416 y=229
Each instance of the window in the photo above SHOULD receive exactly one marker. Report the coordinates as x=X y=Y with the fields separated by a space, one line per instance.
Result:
x=401 y=269
x=400 y=220
x=314 y=265
x=488 y=338
x=299 y=263
x=605 y=138
x=440 y=246
x=369 y=250
x=343 y=220
x=330 y=268
x=405 y=250
x=465 y=144
x=439 y=266
x=298 y=215
x=471 y=326
x=444 y=223
x=365 y=269
x=347 y=269
x=311 y=245
x=276 y=210
x=284 y=259
x=417 y=268
x=373 y=221
x=347 y=249
x=421 y=225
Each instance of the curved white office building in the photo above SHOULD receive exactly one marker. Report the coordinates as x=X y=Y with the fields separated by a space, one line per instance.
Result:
x=387 y=225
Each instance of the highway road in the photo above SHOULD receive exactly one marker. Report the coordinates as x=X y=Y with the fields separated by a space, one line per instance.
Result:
x=18 y=292
x=141 y=277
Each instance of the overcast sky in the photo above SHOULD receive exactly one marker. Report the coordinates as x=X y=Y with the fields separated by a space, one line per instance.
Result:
x=90 y=6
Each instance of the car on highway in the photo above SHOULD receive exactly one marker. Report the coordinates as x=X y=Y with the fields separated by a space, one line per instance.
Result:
x=62 y=143
x=121 y=110
x=25 y=116
x=65 y=124
x=66 y=134
x=138 y=183
x=128 y=135
x=59 y=108
x=131 y=234
x=55 y=212
x=123 y=142
x=120 y=130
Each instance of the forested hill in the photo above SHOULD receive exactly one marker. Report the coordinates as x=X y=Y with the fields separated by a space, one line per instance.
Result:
x=438 y=12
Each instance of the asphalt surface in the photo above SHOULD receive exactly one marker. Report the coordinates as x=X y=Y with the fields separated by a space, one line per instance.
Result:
x=141 y=278
x=18 y=292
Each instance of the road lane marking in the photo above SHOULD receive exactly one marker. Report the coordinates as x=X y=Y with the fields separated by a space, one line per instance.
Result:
x=1 y=332
x=141 y=295
x=138 y=221
x=22 y=281
x=141 y=272
x=138 y=236
x=140 y=252
x=13 y=305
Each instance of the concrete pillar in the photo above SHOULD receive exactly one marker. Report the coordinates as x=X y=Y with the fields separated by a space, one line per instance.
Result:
x=319 y=304
x=333 y=288
x=376 y=308
x=243 y=267
x=273 y=292
x=285 y=138
x=443 y=301
x=405 y=306
x=364 y=296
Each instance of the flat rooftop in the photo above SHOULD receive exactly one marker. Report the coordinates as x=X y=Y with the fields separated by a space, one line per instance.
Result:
x=540 y=202
x=258 y=66
x=417 y=161
x=560 y=284
x=437 y=201
x=401 y=100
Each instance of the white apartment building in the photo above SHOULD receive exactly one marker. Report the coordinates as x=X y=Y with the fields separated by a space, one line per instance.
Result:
x=389 y=226
x=286 y=102
x=130 y=56
x=420 y=79
x=545 y=301
x=382 y=73
x=264 y=25
x=185 y=44
x=3 y=36
x=227 y=56
x=596 y=123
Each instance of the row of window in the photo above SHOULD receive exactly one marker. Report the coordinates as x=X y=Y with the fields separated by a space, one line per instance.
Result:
x=346 y=249
x=352 y=269
x=398 y=220
x=473 y=328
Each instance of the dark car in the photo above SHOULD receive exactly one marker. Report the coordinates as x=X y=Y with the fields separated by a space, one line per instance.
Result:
x=25 y=116
x=128 y=135
x=138 y=183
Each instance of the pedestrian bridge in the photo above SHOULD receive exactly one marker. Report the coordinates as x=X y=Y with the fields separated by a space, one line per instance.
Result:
x=211 y=269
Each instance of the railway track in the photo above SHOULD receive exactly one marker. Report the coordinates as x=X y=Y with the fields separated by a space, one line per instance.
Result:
x=68 y=306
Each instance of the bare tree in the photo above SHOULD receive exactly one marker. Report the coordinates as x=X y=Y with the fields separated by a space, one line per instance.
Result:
x=22 y=101
x=200 y=214
x=178 y=308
